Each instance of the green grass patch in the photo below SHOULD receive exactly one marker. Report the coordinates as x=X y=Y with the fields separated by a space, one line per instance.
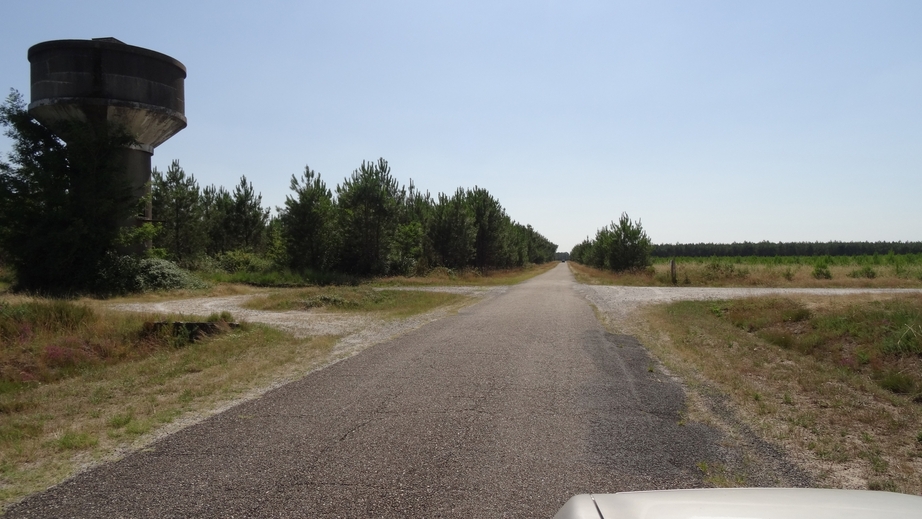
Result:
x=120 y=420
x=72 y=441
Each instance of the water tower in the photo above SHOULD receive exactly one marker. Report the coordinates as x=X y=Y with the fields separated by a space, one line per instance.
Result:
x=106 y=81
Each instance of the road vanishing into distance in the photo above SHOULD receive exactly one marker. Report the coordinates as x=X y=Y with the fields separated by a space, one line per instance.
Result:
x=505 y=409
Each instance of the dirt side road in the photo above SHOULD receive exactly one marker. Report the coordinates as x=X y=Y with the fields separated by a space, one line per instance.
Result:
x=506 y=409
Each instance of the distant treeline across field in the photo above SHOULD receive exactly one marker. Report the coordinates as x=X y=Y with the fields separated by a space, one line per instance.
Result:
x=769 y=249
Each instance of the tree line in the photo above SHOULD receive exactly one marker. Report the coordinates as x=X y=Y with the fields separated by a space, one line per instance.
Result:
x=63 y=209
x=770 y=249
x=367 y=225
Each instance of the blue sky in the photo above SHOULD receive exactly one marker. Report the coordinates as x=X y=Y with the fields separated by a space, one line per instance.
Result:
x=710 y=121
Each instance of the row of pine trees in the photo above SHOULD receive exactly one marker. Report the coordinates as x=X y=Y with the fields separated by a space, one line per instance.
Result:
x=368 y=224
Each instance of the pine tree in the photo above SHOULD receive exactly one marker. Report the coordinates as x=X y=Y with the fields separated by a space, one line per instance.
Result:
x=177 y=204
x=217 y=210
x=453 y=232
x=247 y=217
x=368 y=204
x=308 y=223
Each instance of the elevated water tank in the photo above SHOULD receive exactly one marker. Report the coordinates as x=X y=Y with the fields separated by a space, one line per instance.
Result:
x=105 y=80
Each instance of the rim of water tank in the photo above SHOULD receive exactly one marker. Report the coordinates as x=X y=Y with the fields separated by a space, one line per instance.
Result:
x=102 y=44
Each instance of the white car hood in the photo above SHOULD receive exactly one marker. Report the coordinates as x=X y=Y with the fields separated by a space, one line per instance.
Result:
x=743 y=503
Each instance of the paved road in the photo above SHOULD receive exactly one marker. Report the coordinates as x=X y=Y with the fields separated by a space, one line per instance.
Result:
x=505 y=409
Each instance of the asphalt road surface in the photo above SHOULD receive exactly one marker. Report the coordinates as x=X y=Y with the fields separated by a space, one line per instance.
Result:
x=504 y=410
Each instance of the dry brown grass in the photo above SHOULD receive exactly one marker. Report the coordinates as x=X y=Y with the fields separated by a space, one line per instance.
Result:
x=744 y=275
x=838 y=424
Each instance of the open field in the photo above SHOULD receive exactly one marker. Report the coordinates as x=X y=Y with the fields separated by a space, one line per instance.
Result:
x=83 y=382
x=842 y=272
x=836 y=381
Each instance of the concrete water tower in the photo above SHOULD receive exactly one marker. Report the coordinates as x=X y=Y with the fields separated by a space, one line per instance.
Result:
x=106 y=81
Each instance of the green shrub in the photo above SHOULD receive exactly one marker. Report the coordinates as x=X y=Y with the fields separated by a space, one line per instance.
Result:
x=788 y=274
x=864 y=272
x=778 y=338
x=160 y=274
x=75 y=441
x=125 y=275
x=118 y=275
x=796 y=313
x=821 y=271
x=897 y=382
x=884 y=485
x=908 y=338
x=716 y=269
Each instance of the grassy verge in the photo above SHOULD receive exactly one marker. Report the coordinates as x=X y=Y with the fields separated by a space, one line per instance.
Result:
x=835 y=381
x=391 y=303
x=724 y=272
x=443 y=276
x=79 y=383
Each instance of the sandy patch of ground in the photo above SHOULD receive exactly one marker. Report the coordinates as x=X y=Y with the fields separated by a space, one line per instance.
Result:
x=358 y=330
